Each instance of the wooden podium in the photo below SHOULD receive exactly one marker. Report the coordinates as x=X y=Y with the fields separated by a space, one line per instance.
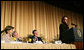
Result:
x=78 y=38
x=74 y=35
x=79 y=45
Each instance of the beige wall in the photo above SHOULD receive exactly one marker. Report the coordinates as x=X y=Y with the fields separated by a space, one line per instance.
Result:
x=29 y=15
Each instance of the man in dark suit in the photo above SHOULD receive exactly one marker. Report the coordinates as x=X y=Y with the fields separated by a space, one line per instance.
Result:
x=35 y=37
x=63 y=27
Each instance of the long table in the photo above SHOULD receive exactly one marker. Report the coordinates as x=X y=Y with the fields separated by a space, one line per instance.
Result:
x=36 y=46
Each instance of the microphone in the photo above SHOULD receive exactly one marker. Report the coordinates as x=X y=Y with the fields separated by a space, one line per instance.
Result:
x=73 y=24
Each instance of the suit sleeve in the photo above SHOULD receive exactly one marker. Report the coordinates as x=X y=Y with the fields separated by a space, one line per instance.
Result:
x=61 y=31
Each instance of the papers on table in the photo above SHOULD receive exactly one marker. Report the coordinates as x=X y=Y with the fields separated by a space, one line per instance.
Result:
x=15 y=42
x=2 y=41
x=38 y=42
x=58 y=42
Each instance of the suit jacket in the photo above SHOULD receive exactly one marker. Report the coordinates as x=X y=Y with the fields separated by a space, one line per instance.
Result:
x=33 y=37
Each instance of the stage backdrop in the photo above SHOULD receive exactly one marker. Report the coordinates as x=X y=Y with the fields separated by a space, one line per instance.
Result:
x=26 y=16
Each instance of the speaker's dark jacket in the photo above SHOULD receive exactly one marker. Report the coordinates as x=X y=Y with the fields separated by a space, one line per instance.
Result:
x=63 y=27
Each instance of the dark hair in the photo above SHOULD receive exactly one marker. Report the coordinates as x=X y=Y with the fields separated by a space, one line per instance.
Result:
x=33 y=31
x=63 y=19
x=7 y=28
